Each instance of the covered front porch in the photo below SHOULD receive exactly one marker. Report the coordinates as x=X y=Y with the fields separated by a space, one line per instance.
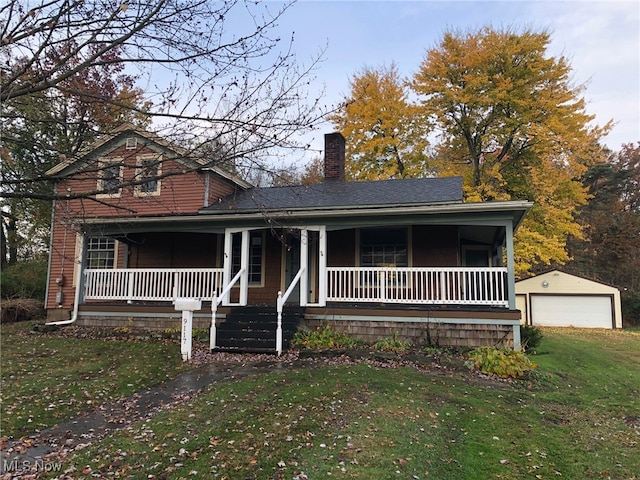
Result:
x=318 y=268
x=470 y=286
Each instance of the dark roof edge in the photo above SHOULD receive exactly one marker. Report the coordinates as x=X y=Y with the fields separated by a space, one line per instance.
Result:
x=151 y=137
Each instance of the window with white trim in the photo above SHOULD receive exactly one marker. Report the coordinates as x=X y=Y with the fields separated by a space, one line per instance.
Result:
x=256 y=254
x=110 y=177
x=384 y=247
x=147 y=172
x=101 y=252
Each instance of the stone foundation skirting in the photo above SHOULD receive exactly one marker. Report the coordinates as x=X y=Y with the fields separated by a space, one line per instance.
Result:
x=146 y=323
x=438 y=329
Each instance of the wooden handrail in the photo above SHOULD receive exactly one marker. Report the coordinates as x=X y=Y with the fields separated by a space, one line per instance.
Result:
x=215 y=301
x=280 y=306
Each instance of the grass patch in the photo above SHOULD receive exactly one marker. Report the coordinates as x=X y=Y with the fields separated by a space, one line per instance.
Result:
x=579 y=418
x=49 y=378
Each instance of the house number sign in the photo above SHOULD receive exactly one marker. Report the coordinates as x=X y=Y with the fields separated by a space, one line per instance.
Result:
x=187 y=306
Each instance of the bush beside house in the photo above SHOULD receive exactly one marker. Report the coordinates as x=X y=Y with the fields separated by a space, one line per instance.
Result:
x=23 y=287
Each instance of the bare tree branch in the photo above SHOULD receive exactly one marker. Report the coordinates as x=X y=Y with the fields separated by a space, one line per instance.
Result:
x=209 y=72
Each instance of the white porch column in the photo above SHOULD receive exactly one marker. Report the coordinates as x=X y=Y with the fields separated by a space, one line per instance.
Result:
x=227 y=263
x=244 y=264
x=322 y=266
x=511 y=276
x=304 y=265
x=78 y=273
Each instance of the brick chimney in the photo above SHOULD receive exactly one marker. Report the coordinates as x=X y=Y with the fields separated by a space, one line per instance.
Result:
x=334 y=156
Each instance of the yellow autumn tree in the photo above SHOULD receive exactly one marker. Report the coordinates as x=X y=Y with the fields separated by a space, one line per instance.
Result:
x=511 y=122
x=385 y=134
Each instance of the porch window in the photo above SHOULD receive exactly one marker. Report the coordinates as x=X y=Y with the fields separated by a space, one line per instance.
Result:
x=110 y=178
x=256 y=244
x=386 y=247
x=101 y=252
x=147 y=172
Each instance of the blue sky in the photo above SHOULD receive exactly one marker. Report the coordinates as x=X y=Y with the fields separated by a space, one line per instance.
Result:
x=601 y=40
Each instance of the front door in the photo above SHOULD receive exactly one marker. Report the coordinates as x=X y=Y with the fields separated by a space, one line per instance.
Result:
x=293 y=261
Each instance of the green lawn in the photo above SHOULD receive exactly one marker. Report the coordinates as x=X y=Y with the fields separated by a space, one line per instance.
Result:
x=47 y=379
x=578 y=418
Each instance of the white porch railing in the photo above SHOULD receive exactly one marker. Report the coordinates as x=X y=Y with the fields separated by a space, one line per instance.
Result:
x=414 y=285
x=151 y=284
x=420 y=285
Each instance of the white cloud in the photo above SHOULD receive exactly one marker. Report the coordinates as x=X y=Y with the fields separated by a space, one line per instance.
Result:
x=600 y=39
x=602 y=43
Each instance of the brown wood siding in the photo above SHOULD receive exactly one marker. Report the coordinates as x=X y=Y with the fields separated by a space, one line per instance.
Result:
x=341 y=248
x=63 y=257
x=173 y=250
x=435 y=246
x=182 y=192
x=122 y=254
x=432 y=246
x=218 y=188
x=63 y=247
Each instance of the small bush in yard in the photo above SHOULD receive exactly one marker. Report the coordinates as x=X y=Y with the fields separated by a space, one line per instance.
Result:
x=502 y=362
x=530 y=337
x=25 y=279
x=392 y=344
x=324 y=338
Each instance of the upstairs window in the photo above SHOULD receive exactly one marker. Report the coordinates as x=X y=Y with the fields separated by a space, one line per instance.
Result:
x=110 y=178
x=148 y=171
x=101 y=252
x=132 y=143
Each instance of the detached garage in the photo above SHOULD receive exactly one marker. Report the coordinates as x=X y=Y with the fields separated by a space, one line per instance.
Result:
x=557 y=299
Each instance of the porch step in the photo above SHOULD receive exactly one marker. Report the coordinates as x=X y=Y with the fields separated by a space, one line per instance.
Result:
x=252 y=329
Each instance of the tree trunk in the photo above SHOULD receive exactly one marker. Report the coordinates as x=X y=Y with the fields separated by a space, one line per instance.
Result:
x=10 y=239
x=3 y=247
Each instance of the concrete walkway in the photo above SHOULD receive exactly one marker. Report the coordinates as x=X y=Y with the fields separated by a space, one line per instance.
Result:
x=29 y=453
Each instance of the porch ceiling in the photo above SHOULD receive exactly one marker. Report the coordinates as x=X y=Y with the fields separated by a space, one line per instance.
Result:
x=481 y=234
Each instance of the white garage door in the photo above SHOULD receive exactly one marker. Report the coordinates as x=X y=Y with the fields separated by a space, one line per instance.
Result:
x=571 y=310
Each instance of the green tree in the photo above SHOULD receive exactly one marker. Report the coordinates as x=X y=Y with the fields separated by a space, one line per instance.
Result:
x=610 y=249
x=37 y=127
x=386 y=136
x=511 y=122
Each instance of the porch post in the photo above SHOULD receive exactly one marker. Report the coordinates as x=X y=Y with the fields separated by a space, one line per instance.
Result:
x=227 y=263
x=511 y=276
x=304 y=265
x=322 y=266
x=244 y=264
x=80 y=276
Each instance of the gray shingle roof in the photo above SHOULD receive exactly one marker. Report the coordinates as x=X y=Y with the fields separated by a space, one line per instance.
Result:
x=337 y=194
